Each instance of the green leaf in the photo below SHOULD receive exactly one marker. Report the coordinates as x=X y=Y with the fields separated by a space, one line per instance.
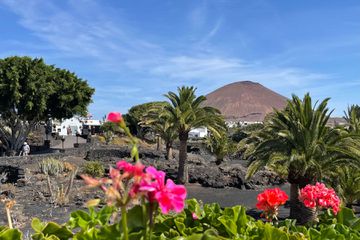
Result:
x=37 y=225
x=135 y=218
x=10 y=234
x=62 y=232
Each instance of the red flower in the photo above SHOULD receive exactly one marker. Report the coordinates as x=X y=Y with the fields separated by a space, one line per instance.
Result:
x=115 y=117
x=136 y=170
x=270 y=200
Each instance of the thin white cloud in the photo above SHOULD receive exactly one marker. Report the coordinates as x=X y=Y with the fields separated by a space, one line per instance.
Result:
x=213 y=31
x=198 y=15
x=116 y=47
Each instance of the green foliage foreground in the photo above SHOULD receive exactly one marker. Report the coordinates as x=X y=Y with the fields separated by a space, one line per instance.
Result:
x=197 y=221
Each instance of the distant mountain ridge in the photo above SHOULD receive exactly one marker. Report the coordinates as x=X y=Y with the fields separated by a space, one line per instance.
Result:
x=245 y=101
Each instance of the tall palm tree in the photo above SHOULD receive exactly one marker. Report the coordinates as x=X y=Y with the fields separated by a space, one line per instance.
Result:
x=162 y=123
x=187 y=112
x=299 y=139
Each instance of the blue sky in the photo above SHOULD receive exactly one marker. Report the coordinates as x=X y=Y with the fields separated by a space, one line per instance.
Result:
x=134 y=51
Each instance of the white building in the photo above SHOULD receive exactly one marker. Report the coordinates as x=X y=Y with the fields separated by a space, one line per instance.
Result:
x=69 y=126
x=200 y=132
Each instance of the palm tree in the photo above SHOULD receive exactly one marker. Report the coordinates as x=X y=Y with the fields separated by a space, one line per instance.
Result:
x=161 y=123
x=221 y=146
x=352 y=116
x=299 y=139
x=346 y=181
x=187 y=112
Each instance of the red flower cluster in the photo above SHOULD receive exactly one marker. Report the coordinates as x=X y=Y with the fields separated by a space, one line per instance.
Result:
x=319 y=196
x=270 y=200
x=137 y=183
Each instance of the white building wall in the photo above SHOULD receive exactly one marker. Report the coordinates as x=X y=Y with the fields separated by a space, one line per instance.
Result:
x=200 y=132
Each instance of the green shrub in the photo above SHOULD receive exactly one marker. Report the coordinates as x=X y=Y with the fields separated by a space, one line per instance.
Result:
x=93 y=168
x=51 y=166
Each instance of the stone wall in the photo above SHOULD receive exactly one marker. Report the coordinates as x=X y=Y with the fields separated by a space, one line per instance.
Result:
x=14 y=166
x=121 y=152
x=19 y=161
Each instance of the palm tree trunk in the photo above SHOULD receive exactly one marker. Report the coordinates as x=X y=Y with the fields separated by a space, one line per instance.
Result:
x=183 y=176
x=298 y=210
x=169 y=152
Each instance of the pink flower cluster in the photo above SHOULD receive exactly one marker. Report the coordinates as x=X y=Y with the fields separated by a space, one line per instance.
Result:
x=270 y=200
x=319 y=196
x=138 y=183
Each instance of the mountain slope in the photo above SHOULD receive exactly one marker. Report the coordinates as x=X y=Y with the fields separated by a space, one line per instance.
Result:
x=245 y=101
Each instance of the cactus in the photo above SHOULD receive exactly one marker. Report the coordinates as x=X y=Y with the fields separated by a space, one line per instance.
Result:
x=60 y=195
x=51 y=167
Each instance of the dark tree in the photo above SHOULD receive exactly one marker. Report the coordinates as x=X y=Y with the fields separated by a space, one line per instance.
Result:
x=30 y=91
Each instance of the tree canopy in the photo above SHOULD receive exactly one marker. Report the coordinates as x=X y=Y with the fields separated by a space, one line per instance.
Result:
x=31 y=91
x=136 y=114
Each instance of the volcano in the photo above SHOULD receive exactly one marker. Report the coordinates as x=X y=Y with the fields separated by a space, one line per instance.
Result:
x=245 y=101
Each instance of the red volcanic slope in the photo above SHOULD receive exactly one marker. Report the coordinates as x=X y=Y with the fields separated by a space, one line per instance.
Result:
x=245 y=101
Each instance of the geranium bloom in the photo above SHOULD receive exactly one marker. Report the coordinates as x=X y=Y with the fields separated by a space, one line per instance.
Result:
x=150 y=183
x=169 y=196
x=136 y=170
x=319 y=196
x=115 y=117
x=270 y=200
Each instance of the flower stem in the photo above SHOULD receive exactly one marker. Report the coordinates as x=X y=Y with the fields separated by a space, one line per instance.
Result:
x=124 y=222
x=145 y=219
x=9 y=217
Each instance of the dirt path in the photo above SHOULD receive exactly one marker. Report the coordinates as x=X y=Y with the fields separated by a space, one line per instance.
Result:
x=69 y=142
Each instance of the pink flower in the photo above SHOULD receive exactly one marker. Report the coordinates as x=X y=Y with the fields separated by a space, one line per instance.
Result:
x=169 y=196
x=194 y=216
x=132 y=179
x=319 y=196
x=115 y=117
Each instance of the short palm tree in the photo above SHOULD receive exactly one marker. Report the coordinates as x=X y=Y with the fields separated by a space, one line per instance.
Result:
x=187 y=112
x=352 y=116
x=346 y=181
x=299 y=139
x=221 y=146
x=161 y=122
